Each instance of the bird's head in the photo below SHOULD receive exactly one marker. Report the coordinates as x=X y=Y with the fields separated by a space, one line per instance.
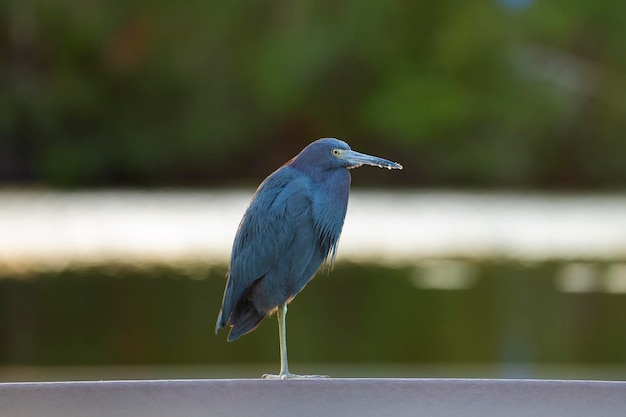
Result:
x=331 y=153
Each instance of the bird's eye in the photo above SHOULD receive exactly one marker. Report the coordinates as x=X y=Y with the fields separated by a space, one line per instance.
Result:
x=336 y=152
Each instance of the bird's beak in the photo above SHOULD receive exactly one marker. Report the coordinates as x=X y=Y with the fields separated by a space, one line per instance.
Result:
x=356 y=159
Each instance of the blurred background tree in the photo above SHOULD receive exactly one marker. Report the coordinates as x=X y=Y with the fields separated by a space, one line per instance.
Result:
x=510 y=93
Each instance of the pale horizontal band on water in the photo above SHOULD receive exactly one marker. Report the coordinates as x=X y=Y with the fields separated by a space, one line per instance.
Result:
x=41 y=229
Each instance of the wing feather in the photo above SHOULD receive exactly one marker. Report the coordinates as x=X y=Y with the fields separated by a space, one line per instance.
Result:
x=276 y=223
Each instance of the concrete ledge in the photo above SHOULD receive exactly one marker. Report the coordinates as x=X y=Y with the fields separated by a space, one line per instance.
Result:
x=321 y=397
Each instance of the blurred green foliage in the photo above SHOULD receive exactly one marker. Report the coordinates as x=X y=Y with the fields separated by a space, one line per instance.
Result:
x=471 y=93
x=359 y=314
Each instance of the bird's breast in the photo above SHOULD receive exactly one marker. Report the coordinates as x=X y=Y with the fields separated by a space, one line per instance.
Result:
x=330 y=203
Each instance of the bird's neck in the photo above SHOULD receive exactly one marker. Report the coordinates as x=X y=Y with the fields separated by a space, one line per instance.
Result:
x=333 y=184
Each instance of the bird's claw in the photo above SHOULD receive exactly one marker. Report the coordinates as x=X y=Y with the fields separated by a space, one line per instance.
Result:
x=293 y=376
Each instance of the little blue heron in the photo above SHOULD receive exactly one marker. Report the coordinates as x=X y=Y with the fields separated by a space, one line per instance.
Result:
x=290 y=228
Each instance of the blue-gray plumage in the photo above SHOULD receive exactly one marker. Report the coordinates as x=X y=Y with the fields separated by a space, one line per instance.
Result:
x=290 y=228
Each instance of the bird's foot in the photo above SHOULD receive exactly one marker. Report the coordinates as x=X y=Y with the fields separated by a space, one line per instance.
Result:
x=288 y=375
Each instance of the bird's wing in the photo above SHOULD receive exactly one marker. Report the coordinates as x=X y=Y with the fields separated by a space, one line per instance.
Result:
x=279 y=217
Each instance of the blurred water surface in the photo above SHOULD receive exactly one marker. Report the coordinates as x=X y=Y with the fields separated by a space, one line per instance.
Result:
x=127 y=284
x=440 y=318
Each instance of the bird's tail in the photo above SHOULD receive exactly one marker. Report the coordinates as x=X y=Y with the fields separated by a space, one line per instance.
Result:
x=221 y=322
x=244 y=319
x=246 y=323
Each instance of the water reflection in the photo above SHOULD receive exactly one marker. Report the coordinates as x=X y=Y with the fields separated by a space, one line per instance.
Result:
x=582 y=277
x=444 y=274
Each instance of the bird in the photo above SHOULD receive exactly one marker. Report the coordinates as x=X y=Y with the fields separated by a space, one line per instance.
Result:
x=290 y=228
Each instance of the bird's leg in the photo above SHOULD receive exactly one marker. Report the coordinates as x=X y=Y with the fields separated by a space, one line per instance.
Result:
x=282 y=336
